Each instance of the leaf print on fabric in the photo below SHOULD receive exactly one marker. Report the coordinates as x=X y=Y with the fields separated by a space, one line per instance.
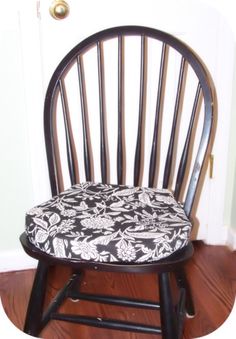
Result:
x=66 y=225
x=97 y=223
x=69 y=200
x=178 y=244
x=85 y=249
x=146 y=256
x=146 y=235
x=59 y=206
x=144 y=198
x=165 y=246
x=184 y=235
x=82 y=206
x=104 y=240
x=36 y=211
x=54 y=219
x=130 y=219
x=99 y=205
x=127 y=191
x=165 y=199
x=119 y=219
x=59 y=247
x=41 y=236
x=46 y=245
x=118 y=206
x=68 y=213
x=41 y=223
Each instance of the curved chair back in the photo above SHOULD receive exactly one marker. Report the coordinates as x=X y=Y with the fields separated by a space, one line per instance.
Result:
x=129 y=105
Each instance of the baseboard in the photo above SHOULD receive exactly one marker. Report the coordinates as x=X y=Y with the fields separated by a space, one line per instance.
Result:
x=16 y=260
x=231 y=238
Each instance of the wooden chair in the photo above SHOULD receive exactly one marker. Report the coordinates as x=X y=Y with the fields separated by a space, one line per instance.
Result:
x=124 y=171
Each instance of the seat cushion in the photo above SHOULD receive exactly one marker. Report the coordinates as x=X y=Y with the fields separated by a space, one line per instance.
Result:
x=109 y=223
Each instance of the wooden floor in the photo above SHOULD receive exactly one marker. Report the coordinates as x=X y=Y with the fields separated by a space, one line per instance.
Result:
x=211 y=272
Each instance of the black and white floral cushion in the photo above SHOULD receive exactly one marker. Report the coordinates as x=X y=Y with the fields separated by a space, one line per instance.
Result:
x=109 y=223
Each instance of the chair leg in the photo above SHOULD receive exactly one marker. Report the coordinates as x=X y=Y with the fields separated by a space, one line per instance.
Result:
x=182 y=282
x=35 y=307
x=168 y=314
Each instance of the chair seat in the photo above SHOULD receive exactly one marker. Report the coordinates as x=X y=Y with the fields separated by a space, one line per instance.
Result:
x=109 y=223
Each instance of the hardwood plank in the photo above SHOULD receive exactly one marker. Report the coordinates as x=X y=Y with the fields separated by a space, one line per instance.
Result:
x=212 y=276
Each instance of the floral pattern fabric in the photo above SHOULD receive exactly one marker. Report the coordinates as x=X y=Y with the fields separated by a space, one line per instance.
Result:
x=109 y=223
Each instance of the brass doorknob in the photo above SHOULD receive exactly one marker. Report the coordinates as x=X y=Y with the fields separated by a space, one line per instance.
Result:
x=59 y=9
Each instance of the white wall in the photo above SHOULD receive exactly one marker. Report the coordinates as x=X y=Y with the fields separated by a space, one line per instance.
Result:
x=15 y=172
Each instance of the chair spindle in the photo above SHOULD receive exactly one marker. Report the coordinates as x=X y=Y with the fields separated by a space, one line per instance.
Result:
x=68 y=134
x=103 y=141
x=84 y=114
x=184 y=157
x=153 y=159
x=120 y=143
x=141 y=117
x=168 y=167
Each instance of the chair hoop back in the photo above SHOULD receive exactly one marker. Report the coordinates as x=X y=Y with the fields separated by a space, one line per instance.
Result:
x=181 y=171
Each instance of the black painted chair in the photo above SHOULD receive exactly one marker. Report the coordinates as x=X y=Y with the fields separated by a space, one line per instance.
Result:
x=124 y=172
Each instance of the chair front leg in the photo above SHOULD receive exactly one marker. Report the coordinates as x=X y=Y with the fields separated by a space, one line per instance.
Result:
x=35 y=306
x=167 y=309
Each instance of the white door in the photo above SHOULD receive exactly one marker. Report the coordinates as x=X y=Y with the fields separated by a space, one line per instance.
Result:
x=46 y=40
